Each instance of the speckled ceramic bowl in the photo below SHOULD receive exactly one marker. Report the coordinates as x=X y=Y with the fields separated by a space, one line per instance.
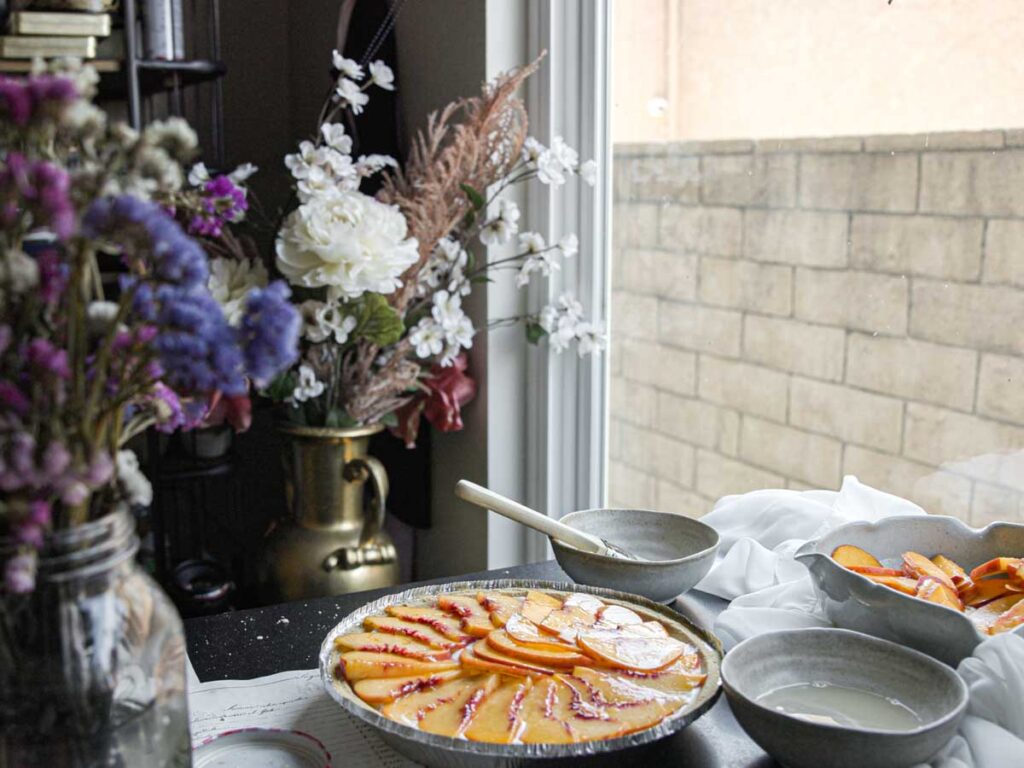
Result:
x=679 y=552
x=774 y=660
x=855 y=602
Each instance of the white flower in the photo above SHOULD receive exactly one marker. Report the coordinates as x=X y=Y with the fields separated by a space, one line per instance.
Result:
x=242 y=173
x=532 y=150
x=231 y=280
x=532 y=242
x=382 y=76
x=565 y=154
x=555 y=162
x=452 y=251
x=19 y=272
x=136 y=486
x=198 y=174
x=588 y=172
x=301 y=162
x=308 y=387
x=427 y=337
x=347 y=67
x=502 y=227
x=367 y=165
x=83 y=118
x=173 y=135
x=338 y=165
x=100 y=315
x=336 y=138
x=447 y=310
x=460 y=335
x=569 y=246
x=540 y=263
x=322 y=321
x=156 y=170
x=349 y=92
x=590 y=339
x=347 y=241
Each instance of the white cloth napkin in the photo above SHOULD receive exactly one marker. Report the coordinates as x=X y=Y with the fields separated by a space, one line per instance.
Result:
x=769 y=590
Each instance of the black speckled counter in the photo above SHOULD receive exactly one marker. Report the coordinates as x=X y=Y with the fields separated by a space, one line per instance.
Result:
x=246 y=644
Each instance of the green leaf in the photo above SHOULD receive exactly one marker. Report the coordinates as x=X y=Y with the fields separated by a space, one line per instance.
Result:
x=481 y=279
x=474 y=197
x=468 y=219
x=377 y=321
x=336 y=417
x=535 y=332
x=389 y=420
x=281 y=387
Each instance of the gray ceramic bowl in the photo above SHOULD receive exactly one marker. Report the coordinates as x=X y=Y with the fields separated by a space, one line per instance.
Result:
x=855 y=602
x=776 y=659
x=680 y=551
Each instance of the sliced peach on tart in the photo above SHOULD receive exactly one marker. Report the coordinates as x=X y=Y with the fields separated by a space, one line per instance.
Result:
x=452 y=718
x=996 y=567
x=438 y=620
x=847 y=555
x=359 y=665
x=383 y=642
x=499 y=606
x=477 y=664
x=677 y=679
x=643 y=654
x=499 y=718
x=952 y=569
x=1010 y=619
x=502 y=642
x=565 y=623
x=590 y=718
x=985 y=616
x=935 y=591
x=452 y=694
x=543 y=712
x=473 y=617
x=900 y=583
x=917 y=566
x=628 y=707
x=522 y=630
x=538 y=605
x=619 y=616
x=484 y=650
x=421 y=633
x=386 y=689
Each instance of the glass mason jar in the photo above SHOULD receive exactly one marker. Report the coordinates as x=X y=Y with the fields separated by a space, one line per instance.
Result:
x=92 y=663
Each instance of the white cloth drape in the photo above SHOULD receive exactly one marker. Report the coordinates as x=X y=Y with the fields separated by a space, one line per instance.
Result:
x=769 y=590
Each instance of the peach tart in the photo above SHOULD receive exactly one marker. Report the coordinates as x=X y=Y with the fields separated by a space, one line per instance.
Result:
x=531 y=668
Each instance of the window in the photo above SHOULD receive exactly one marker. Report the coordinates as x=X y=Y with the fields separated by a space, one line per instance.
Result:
x=818 y=251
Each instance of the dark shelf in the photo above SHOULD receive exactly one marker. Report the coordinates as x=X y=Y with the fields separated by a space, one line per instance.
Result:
x=159 y=77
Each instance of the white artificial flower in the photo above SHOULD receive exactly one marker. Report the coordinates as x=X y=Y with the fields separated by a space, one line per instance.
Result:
x=19 y=272
x=447 y=310
x=230 y=282
x=569 y=246
x=301 y=162
x=136 y=486
x=460 y=335
x=347 y=241
x=588 y=172
x=503 y=226
x=339 y=166
x=242 y=173
x=452 y=251
x=198 y=174
x=155 y=170
x=321 y=321
x=347 y=67
x=307 y=387
x=318 y=181
x=540 y=263
x=555 y=162
x=590 y=339
x=427 y=338
x=173 y=135
x=565 y=154
x=532 y=242
x=570 y=306
x=84 y=119
x=532 y=150
x=382 y=76
x=100 y=315
x=561 y=320
x=336 y=138
x=349 y=92
x=367 y=165
x=124 y=135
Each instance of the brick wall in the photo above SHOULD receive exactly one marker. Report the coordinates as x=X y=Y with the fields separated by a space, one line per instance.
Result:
x=787 y=312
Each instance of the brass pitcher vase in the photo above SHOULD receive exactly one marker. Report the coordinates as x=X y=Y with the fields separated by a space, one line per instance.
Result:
x=333 y=542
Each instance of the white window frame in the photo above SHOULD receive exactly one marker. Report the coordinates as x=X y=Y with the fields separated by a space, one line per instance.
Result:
x=568 y=395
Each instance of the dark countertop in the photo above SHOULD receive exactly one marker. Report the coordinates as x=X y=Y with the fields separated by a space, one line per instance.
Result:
x=262 y=641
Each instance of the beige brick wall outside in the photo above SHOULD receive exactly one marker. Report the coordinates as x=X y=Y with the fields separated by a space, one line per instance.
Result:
x=787 y=312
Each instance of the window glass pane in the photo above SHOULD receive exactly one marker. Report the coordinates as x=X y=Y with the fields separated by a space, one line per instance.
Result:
x=818 y=263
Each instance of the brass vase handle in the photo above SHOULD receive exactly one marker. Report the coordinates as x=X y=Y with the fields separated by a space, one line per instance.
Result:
x=360 y=469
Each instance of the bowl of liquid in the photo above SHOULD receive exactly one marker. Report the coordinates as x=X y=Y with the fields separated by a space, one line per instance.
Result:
x=833 y=698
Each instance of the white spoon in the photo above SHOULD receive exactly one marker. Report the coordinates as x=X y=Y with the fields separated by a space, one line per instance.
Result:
x=513 y=510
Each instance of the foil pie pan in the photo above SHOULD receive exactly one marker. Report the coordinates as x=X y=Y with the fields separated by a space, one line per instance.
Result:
x=445 y=752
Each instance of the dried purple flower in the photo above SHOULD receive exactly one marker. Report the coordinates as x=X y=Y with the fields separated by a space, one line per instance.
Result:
x=270 y=332
x=20 y=574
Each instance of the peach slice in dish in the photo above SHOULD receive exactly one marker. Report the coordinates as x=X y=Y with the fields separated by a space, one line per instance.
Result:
x=987 y=590
x=538 y=605
x=952 y=569
x=473 y=617
x=470 y=660
x=502 y=642
x=847 y=555
x=499 y=718
x=870 y=570
x=565 y=623
x=644 y=654
x=678 y=679
x=438 y=707
x=383 y=642
x=935 y=591
x=1010 y=619
x=522 y=630
x=900 y=583
x=619 y=616
x=383 y=690
x=620 y=706
x=499 y=606
x=359 y=665
x=985 y=616
x=437 y=620
x=996 y=567
x=917 y=566
x=483 y=649
x=543 y=713
x=421 y=633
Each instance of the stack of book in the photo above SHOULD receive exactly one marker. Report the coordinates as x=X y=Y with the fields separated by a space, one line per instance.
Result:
x=49 y=34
